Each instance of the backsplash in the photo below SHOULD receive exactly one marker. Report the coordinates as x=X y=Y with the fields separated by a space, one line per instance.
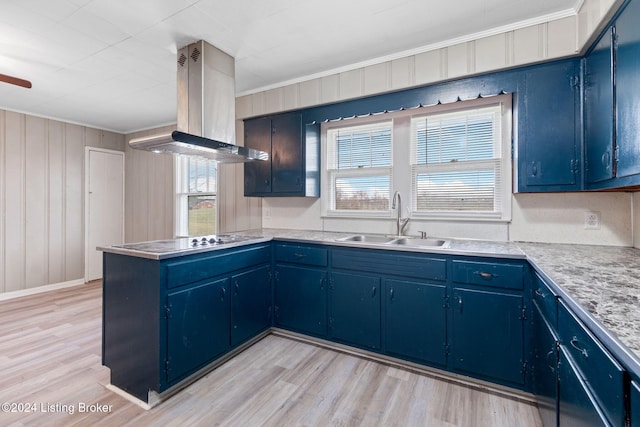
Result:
x=547 y=218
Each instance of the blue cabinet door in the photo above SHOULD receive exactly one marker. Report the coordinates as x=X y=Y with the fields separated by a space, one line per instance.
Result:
x=415 y=321
x=576 y=405
x=545 y=367
x=197 y=327
x=250 y=303
x=301 y=299
x=634 y=407
x=354 y=304
x=599 y=111
x=627 y=81
x=257 y=175
x=487 y=335
x=550 y=128
x=286 y=153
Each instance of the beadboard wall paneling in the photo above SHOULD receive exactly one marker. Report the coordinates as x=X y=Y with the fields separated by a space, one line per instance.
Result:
x=236 y=212
x=592 y=17
x=41 y=199
x=541 y=42
x=550 y=40
x=150 y=192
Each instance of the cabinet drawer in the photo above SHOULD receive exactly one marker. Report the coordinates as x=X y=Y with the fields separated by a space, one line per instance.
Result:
x=301 y=254
x=390 y=264
x=510 y=276
x=600 y=371
x=546 y=300
x=199 y=267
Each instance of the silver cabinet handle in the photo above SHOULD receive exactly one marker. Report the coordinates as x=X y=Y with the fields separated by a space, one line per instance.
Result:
x=575 y=344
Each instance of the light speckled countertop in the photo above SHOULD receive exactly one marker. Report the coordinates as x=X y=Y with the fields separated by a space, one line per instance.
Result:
x=604 y=280
x=456 y=247
x=601 y=281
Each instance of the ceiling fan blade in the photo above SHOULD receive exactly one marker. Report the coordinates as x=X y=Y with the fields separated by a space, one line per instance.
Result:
x=15 y=81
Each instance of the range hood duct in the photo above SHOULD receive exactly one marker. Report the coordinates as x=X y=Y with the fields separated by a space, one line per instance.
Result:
x=206 y=110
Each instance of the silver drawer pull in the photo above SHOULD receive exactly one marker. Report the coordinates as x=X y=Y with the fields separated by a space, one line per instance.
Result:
x=299 y=255
x=574 y=343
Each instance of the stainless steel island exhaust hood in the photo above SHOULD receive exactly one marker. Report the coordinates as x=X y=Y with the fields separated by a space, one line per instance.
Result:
x=206 y=109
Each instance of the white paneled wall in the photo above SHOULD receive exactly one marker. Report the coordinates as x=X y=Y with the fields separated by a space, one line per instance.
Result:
x=536 y=43
x=149 y=192
x=41 y=199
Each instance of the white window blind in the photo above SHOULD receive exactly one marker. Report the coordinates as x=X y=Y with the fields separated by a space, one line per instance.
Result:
x=359 y=167
x=456 y=161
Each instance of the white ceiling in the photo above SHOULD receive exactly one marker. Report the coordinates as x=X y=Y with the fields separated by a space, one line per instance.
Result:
x=111 y=64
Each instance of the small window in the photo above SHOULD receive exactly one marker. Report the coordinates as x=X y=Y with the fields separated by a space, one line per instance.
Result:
x=359 y=168
x=457 y=162
x=196 y=212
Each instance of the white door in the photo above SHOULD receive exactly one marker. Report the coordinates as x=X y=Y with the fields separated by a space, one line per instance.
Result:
x=104 y=206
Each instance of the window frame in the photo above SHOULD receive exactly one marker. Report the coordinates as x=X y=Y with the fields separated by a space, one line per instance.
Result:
x=327 y=193
x=401 y=168
x=503 y=165
x=182 y=194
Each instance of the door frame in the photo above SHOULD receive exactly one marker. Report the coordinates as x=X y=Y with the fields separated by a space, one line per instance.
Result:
x=87 y=171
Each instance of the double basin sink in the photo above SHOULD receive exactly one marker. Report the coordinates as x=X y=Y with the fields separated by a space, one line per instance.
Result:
x=373 y=239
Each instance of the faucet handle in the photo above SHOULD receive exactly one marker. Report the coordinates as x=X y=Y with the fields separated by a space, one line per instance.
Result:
x=423 y=234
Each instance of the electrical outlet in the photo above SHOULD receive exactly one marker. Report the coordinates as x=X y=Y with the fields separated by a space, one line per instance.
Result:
x=591 y=220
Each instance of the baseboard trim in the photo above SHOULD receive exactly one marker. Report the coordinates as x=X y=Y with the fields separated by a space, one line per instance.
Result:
x=40 y=289
x=154 y=398
x=485 y=386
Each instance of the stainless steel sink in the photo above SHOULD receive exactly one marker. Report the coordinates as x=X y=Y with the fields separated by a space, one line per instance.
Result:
x=373 y=239
x=410 y=241
x=367 y=238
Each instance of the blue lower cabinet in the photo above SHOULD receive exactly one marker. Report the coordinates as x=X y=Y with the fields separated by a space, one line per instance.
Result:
x=250 y=303
x=354 y=309
x=597 y=367
x=544 y=366
x=487 y=335
x=197 y=327
x=301 y=299
x=577 y=406
x=415 y=321
x=634 y=407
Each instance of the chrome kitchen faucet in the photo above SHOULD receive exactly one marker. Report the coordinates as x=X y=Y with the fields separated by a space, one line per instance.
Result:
x=401 y=223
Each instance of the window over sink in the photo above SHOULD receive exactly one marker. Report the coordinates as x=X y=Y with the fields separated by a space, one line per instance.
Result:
x=452 y=161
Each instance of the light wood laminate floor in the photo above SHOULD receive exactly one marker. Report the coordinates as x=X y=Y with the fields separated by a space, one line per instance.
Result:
x=50 y=363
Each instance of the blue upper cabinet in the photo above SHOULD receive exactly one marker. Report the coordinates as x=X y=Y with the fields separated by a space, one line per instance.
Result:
x=627 y=80
x=548 y=121
x=293 y=168
x=598 y=110
x=612 y=104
